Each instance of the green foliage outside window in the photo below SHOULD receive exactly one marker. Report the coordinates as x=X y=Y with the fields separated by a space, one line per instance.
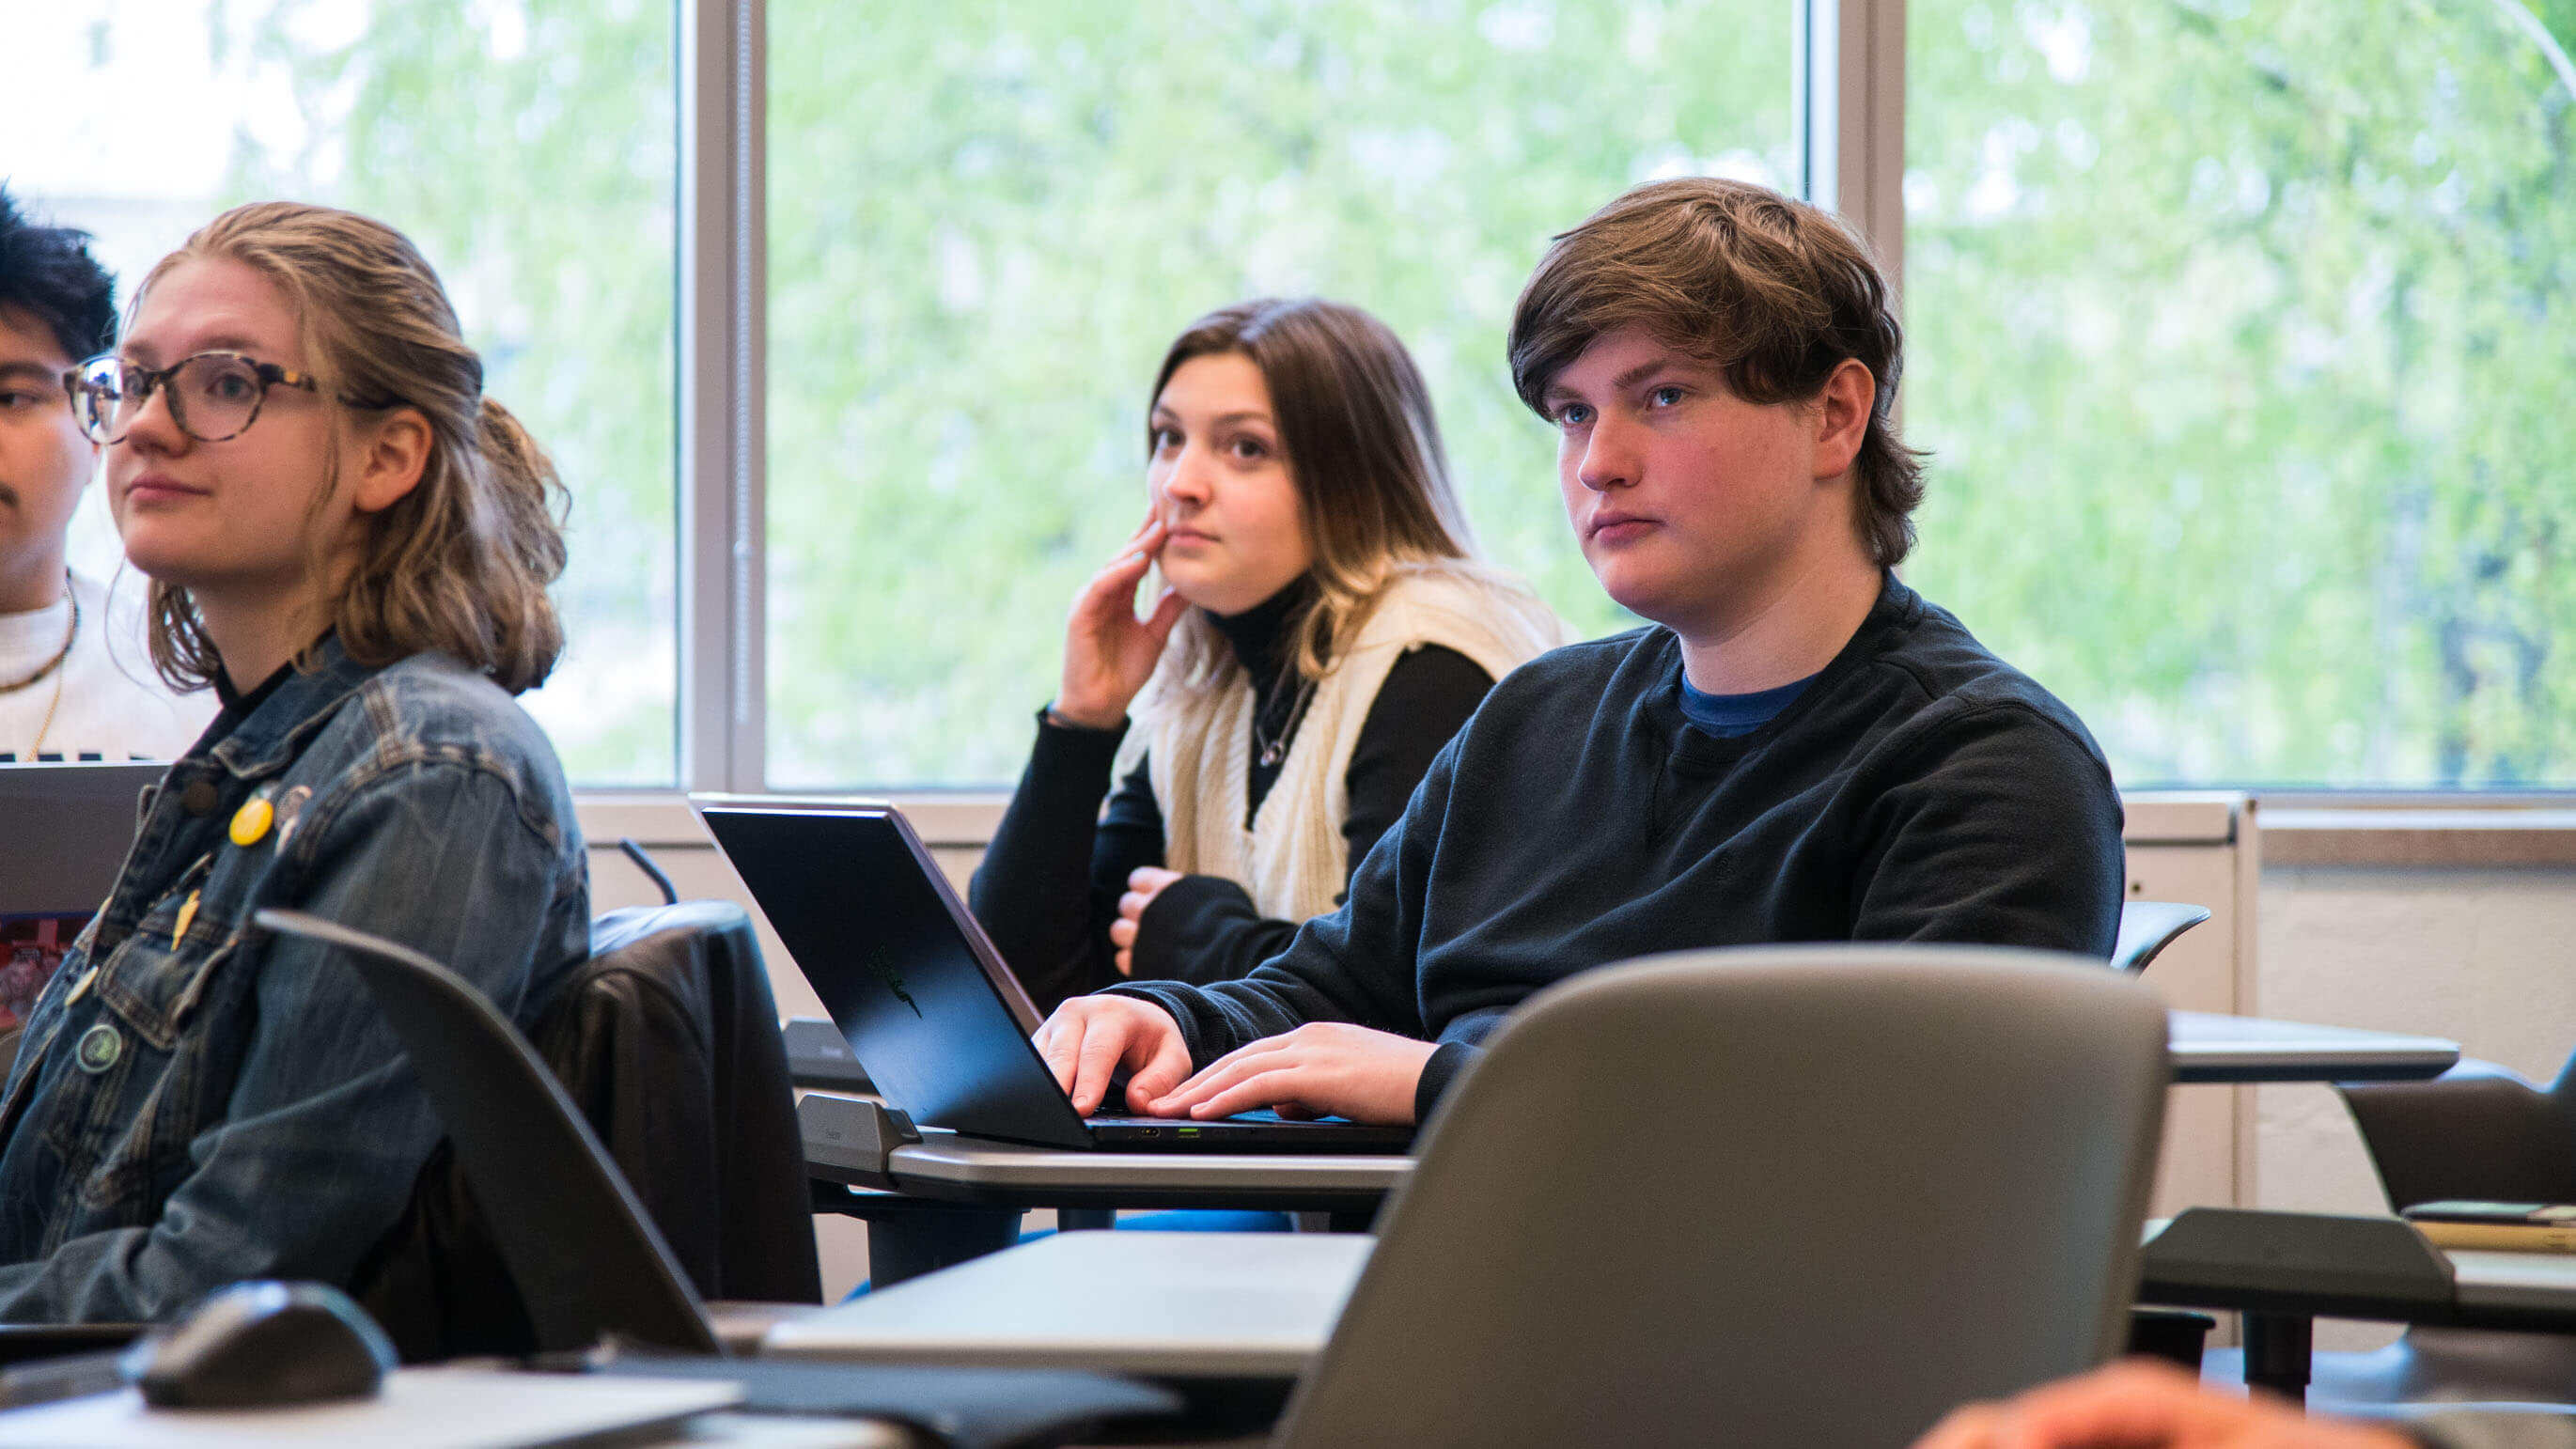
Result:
x=2243 y=337
x=987 y=220
x=530 y=152
x=2241 y=332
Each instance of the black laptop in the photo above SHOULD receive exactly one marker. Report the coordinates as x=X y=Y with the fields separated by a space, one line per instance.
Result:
x=929 y=1009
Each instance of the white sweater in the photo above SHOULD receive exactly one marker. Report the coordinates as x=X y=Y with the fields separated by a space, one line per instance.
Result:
x=105 y=701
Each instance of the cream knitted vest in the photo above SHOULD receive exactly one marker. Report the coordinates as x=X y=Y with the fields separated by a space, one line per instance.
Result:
x=1293 y=859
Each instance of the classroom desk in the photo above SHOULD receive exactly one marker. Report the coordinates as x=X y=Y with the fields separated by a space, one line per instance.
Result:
x=443 y=1406
x=819 y=1057
x=969 y=1169
x=2285 y=1270
x=949 y=1198
x=2212 y=1048
x=1162 y=1305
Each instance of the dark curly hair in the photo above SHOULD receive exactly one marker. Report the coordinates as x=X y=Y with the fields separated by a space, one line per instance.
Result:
x=48 y=273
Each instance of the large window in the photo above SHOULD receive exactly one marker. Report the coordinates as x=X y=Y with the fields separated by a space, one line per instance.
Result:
x=987 y=220
x=526 y=147
x=2242 y=337
x=2240 y=330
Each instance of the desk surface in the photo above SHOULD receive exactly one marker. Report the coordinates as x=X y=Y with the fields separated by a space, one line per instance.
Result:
x=1207 y=1305
x=2487 y=1290
x=421 y=1408
x=2205 y=1048
x=2488 y=1284
x=976 y=1169
x=2210 y=1048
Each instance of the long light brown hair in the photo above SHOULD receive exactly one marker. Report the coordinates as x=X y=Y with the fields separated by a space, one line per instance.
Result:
x=460 y=564
x=1363 y=448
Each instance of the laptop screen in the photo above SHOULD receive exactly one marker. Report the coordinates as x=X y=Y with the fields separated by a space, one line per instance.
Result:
x=857 y=903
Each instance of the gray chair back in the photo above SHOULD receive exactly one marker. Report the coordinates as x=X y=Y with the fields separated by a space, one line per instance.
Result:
x=2477 y=1131
x=1788 y=1195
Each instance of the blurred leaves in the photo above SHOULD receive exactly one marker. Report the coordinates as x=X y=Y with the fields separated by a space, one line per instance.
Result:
x=2242 y=329
x=2242 y=335
x=529 y=150
x=987 y=221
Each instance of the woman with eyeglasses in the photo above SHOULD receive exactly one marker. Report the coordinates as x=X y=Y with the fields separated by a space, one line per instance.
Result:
x=351 y=545
x=1323 y=628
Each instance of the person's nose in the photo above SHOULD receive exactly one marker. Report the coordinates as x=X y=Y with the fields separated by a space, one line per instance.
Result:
x=153 y=428
x=1191 y=481
x=1610 y=456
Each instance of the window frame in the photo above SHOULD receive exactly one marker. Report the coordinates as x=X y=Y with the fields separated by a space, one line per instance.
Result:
x=1848 y=122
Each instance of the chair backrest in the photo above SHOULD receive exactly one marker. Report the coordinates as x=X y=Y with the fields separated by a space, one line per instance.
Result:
x=668 y=1040
x=1792 y=1195
x=2147 y=927
x=587 y=1259
x=2477 y=1131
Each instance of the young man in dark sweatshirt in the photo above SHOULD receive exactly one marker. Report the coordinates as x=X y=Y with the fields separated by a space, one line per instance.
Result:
x=1798 y=748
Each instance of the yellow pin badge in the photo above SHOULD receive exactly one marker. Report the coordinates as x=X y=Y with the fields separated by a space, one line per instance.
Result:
x=251 y=821
x=187 y=913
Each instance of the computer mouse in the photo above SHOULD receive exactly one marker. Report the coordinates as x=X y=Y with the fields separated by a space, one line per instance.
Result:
x=262 y=1344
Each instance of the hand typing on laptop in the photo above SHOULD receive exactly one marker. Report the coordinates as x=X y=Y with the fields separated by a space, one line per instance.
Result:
x=1322 y=1069
x=1088 y=1038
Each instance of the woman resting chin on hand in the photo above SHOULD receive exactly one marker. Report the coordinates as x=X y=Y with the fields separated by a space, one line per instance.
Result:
x=1321 y=630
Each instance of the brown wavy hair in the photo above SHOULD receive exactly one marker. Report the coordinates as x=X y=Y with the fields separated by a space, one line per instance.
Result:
x=1363 y=447
x=461 y=563
x=1773 y=293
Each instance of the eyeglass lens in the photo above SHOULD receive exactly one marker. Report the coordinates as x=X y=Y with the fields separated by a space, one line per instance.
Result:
x=211 y=397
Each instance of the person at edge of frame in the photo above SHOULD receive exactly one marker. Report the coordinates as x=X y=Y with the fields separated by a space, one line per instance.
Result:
x=352 y=545
x=2145 y=1405
x=75 y=683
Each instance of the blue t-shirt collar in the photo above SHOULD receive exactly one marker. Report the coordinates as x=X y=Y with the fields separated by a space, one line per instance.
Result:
x=1728 y=716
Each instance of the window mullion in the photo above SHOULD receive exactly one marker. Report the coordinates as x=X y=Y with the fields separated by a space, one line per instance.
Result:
x=722 y=451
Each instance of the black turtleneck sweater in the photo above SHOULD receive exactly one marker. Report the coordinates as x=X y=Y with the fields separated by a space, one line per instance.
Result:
x=1049 y=884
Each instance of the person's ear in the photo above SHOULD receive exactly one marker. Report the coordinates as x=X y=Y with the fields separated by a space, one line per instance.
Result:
x=1842 y=412
x=391 y=459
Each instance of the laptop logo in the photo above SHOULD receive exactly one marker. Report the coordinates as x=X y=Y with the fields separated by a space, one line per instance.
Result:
x=893 y=979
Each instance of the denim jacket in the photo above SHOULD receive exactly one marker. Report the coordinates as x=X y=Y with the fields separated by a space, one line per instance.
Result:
x=197 y=1101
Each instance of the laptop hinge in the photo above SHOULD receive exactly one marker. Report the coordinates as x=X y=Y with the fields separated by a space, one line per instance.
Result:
x=848 y=1140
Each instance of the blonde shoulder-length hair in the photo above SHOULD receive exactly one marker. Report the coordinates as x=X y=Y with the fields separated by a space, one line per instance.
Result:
x=1372 y=479
x=461 y=563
